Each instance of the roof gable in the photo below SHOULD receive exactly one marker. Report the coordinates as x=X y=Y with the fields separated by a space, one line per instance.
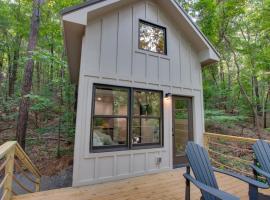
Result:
x=77 y=16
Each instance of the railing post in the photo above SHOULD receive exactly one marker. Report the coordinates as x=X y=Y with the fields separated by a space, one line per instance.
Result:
x=206 y=141
x=9 y=171
x=37 y=186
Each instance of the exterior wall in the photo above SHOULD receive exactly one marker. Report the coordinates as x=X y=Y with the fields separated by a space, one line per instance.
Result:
x=110 y=55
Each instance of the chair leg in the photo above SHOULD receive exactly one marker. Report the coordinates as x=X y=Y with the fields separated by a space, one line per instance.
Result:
x=253 y=192
x=255 y=173
x=187 y=197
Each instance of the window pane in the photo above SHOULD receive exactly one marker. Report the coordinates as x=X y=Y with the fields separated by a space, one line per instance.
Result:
x=109 y=132
x=111 y=101
x=146 y=131
x=181 y=129
x=152 y=38
x=146 y=103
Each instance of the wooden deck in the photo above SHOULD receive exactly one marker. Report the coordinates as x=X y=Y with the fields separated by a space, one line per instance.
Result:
x=163 y=186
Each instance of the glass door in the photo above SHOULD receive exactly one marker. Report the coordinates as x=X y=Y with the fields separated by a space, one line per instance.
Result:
x=182 y=128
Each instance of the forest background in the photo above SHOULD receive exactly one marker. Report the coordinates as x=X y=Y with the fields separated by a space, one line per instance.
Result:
x=38 y=101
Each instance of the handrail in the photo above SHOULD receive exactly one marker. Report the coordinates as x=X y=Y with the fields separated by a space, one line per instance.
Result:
x=11 y=152
x=20 y=153
x=231 y=137
x=222 y=146
x=6 y=148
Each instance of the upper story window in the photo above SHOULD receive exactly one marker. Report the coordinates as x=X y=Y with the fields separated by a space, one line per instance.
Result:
x=152 y=37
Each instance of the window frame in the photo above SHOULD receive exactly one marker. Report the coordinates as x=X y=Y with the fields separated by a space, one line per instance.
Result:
x=129 y=145
x=161 y=121
x=93 y=117
x=156 y=26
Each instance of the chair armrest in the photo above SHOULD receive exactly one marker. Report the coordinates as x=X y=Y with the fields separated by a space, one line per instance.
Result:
x=260 y=171
x=213 y=191
x=243 y=178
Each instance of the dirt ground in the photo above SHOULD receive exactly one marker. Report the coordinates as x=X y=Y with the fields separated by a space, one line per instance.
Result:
x=42 y=148
x=241 y=130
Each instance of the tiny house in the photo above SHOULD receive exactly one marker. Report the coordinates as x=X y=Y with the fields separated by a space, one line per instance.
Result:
x=138 y=66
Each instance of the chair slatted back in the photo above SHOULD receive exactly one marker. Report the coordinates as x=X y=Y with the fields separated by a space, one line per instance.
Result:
x=262 y=152
x=202 y=169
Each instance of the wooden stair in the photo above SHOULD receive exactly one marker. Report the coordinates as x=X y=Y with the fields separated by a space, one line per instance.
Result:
x=13 y=160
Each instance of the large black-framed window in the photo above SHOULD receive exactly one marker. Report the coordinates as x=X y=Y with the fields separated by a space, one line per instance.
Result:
x=125 y=118
x=110 y=118
x=152 y=37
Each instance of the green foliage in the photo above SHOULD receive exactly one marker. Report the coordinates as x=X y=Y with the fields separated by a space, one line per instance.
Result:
x=7 y=107
x=52 y=98
x=39 y=103
x=220 y=117
x=239 y=83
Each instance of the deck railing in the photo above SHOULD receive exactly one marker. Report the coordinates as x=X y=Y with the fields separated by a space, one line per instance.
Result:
x=230 y=152
x=14 y=161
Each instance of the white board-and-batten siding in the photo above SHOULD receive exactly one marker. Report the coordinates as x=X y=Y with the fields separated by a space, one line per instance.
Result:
x=110 y=55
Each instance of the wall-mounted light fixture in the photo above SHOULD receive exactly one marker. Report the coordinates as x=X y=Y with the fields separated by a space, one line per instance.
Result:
x=168 y=95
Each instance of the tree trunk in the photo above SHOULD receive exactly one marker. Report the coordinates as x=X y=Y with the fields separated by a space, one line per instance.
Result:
x=265 y=110
x=51 y=67
x=28 y=73
x=14 y=67
x=1 y=62
x=38 y=76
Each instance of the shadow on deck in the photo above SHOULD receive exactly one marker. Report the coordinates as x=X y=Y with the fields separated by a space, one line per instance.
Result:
x=163 y=186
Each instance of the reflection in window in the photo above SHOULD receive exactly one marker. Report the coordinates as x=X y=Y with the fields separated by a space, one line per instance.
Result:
x=110 y=117
x=109 y=132
x=146 y=121
x=152 y=37
x=146 y=103
x=146 y=131
x=181 y=125
x=111 y=101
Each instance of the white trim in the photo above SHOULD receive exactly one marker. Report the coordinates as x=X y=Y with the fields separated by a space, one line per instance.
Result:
x=80 y=16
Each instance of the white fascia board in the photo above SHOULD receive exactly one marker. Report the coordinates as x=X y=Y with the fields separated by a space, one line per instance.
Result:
x=207 y=57
x=80 y=16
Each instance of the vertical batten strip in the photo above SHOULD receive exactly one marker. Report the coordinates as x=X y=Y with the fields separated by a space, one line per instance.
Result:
x=117 y=44
x=100 y=45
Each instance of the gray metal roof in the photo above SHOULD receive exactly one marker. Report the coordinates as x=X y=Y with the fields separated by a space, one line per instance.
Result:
x=79 y=6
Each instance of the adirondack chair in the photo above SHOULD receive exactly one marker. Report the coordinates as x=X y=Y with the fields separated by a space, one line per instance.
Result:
x=262 y=153
x=204 y=177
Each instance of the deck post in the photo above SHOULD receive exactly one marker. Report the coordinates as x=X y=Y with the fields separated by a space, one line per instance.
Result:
x=7 y=189
x=206 y=142
x=37 y=185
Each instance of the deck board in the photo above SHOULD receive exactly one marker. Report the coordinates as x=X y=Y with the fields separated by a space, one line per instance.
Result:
x=163 y=186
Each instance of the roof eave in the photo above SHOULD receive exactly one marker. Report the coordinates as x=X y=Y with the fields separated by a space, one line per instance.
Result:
x=75 y=19
x=73 y=34
x=208 y=57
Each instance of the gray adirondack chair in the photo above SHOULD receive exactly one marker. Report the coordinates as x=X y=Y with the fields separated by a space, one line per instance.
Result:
x=205 y=179
x=262 y=153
